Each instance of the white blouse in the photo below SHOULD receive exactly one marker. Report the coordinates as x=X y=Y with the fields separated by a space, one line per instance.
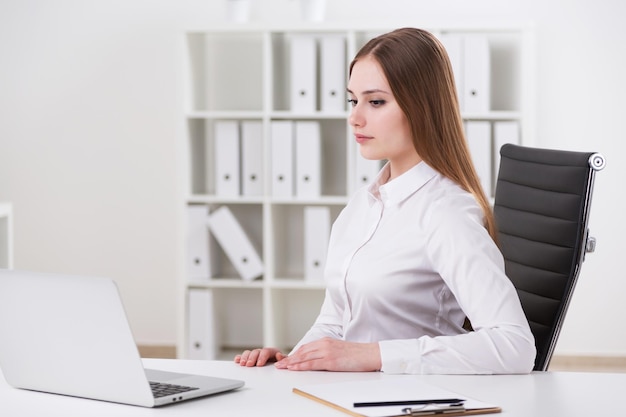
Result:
x=408 y=260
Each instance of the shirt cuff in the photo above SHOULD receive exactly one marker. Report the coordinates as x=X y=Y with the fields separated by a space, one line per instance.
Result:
x=400 y=356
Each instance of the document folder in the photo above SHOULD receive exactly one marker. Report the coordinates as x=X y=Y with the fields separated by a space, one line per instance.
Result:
x=392 y=396
x=227 y=163
x=479 y=141
x=366 y=170
x=503 y=132
x=303 y=71
x=332 y=73
x=201 y=260
x=236 y=244
x=201 y=343
x=251 y=158
x=476 y=74
x=282 y=150
x=316 y=236
x=308 y=159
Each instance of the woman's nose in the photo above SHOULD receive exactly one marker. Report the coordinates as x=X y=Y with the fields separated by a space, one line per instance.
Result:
x=355 y=118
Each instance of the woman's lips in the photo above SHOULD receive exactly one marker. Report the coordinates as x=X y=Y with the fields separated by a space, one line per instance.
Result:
x=361 y=138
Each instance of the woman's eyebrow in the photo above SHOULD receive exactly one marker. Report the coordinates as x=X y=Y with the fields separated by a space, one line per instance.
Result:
x=372 y=91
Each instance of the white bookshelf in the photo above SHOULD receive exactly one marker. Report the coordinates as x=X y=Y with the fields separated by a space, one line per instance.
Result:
x=241 y=74
x=6 y=235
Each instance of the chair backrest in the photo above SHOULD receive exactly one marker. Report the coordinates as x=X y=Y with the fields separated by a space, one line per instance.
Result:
x=542 y=202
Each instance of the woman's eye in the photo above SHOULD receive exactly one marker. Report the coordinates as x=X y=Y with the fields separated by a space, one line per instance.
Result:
x=375 y=103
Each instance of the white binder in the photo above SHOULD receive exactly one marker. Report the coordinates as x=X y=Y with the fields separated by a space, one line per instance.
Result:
x=316 y=235
x=201 y=261
x=308 y=159
x=251 y=158
x=503 y=132
x=303 y=72
x=479 y=142
x=282 y=153
x=333 y=74
x=201 y=342
x=366 y=170
x=227 y=151
x=453 y=42
x=236 y=244
x=476 y=74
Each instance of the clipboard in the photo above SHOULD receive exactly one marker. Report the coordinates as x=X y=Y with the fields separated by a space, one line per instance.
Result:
x=394 y=389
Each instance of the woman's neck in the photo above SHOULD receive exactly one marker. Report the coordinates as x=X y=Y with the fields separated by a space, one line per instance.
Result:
x=400 y=167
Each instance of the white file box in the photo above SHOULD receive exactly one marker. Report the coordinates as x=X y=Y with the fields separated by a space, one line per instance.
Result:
x=503 y=132
x=251 y=158
x=479 y=141
x=227 y=164
x=333 y=74
x=366 y=170
x=303 y=72
x=308 y=159
x=236 y=244
x=201 y=259
x=282 y=151
x=477 y=74
x=316 y=235
x=201 y=343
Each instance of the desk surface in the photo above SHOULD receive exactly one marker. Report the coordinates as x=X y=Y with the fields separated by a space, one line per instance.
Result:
x=268 y=393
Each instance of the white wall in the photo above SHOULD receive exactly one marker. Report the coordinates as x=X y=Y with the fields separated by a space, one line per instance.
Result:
x=89 y=115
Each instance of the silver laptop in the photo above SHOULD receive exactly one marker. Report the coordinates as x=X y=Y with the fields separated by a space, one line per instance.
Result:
x=70 y=335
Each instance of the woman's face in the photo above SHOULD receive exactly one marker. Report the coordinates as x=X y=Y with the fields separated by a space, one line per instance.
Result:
x=379 y=126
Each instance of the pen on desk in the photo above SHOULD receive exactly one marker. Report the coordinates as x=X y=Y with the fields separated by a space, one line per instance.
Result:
x=409 y=402
x=453 y=408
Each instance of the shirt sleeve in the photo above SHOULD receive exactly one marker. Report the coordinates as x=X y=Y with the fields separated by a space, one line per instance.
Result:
x=467 y=259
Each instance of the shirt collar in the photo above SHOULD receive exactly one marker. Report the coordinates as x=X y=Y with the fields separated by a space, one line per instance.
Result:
x=398 y=189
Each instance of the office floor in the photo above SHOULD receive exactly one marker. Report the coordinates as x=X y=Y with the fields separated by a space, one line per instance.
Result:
x=558 y=363
x=588 y=364
x=159 y=352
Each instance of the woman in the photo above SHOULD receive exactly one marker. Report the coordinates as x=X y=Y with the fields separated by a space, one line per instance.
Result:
x=412 y=255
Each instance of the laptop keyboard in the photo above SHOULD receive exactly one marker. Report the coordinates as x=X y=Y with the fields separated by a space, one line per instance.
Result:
x=160 y=389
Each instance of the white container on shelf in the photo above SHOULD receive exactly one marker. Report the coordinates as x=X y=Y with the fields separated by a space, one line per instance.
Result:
x=238 y=11
x=313 y=10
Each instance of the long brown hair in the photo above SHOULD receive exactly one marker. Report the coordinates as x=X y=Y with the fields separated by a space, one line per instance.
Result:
x=420 y=76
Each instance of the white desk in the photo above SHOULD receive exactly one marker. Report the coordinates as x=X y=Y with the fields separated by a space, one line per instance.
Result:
x=268 y=393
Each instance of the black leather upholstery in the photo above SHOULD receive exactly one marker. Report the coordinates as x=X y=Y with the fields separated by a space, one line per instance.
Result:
x=541 y=209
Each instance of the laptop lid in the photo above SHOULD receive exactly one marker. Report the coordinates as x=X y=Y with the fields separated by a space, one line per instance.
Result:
x=70 y=335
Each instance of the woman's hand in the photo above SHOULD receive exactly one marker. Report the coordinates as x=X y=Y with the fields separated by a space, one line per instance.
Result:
x=329 y=354
x=259 y=357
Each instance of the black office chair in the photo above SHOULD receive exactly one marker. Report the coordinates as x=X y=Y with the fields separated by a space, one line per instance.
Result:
x=542 y=202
